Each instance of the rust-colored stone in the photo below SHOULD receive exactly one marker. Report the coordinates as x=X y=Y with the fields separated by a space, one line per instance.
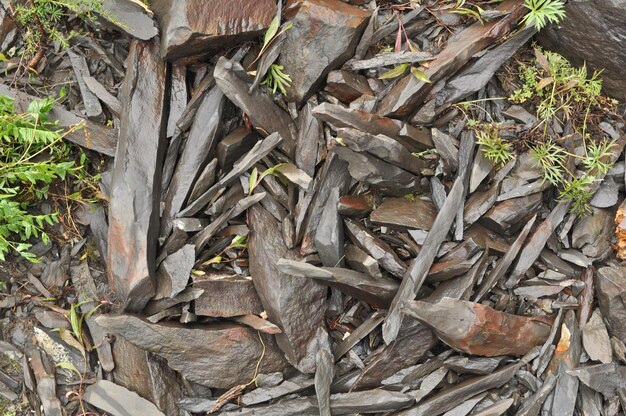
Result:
x=189 y=27
x=620 y=232
x=477 y=329
x=347 y=86
x=354 y=206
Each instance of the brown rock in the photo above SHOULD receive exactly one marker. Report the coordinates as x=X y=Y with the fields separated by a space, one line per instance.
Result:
x=219 y=355
x=148 y=375
x=403 y=213
x=135 y=189
x=189 y=27
x=353 y=206
x=477 y=329
x=297 y=306
x=226 y=296
x=323 y=37
x=347 y=86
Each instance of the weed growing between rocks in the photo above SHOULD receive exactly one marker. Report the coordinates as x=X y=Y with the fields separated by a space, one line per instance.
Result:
x=33 y=155
x=568 y=106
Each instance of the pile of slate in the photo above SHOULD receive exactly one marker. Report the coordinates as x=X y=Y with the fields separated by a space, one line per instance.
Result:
x=309 y=253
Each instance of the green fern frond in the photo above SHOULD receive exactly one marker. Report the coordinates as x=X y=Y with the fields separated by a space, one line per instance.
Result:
x=542 y=12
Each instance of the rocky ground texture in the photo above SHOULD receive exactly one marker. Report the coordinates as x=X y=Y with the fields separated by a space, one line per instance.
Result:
x=342 y=247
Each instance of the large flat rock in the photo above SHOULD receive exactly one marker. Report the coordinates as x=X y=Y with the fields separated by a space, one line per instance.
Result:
x=136 y=183
x=323 y=37
x=189 y=27
x=217 y=355
x=296 y=305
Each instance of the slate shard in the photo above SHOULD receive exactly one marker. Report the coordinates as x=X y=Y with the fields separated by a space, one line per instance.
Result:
x=480 y=330
x=324 y=35
x=219 y=355
x=191 y=27
x=296 y=305
x=136 y=183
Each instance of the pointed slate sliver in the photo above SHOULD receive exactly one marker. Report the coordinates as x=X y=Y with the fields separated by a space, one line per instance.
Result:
x=136 y=183
x=93 y=109
x=173 y=273
x=375 y=247
x=416 y=274
x=296 y=305
x=329 y=238
x=201 y=142
x=261 y=149
x=413 y=138
x=216 y=355
x=536 y=243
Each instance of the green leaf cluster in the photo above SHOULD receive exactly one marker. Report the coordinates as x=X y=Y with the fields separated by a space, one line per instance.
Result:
x=542 y=12
x=32 y=156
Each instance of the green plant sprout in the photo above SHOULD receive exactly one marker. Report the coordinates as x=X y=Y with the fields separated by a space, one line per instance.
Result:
x=542 y=12
x=495 y=148
x=277 y=79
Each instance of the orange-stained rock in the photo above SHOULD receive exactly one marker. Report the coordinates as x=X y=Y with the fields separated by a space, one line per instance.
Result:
x=620 y=232
x=477 y=329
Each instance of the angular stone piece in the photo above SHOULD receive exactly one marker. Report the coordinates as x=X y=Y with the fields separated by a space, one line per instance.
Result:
x=323 y=37
x=596 y=339
x=190 y=27
x=347 y=86
x=218 y=355
x=226 y=296
x=361 y=261
x=93 y=109
x=509 y=216
x=136 y=183
x=132 y=17
x=590 y=28
x=148 y=375
x=259 y=106
x=477 y=329
x=353 y=206
x=297 y=306
x=329 y=238
x=375 y=247
x=403 y=213
x=383 y=147
x=412 y=138
x=235 y=145
x=173 y=274
x=376 y=172
x=611 y=287
x=117 y=400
